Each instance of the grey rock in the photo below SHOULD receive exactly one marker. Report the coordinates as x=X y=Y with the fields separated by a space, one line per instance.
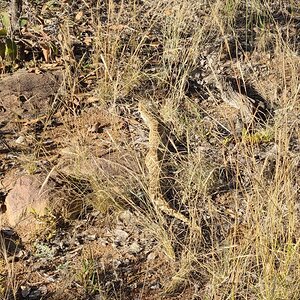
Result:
x=36 y=294
x=120 y=235
x=126 y=216
x=25 y=291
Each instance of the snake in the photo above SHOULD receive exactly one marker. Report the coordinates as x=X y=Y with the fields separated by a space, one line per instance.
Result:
x=154 y=165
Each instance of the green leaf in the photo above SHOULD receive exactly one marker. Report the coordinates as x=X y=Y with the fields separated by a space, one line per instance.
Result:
x=3 y=32
x=23 y=22
x=2 y=49
x=11 y=49
x=5 y=19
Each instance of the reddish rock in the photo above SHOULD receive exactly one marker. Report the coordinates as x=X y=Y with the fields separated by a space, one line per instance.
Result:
x=28 y=197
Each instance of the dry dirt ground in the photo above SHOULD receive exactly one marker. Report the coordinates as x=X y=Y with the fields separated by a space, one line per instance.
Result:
x=222 y=79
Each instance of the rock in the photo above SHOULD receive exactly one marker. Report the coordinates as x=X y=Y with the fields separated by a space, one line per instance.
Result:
x=20 y=140
x=155 y=286
x=35 y=294
x=9 y=180
x=120 y=235
x=126 y=216
x=26 y=94
x=116 y=263
x=25 y=291
x=91 y=237
x=43 y=289
x=135 y=248
x=151 y=256
x=28 y=197
x=28 y=86
x=114 y=170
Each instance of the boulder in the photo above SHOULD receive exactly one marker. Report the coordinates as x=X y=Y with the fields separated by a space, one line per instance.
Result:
x=29 y=197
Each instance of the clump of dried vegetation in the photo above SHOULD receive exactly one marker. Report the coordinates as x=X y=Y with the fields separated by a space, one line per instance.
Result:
x=233 y=172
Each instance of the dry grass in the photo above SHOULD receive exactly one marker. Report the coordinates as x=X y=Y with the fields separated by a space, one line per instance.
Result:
x=249 y=246
x=242 y=190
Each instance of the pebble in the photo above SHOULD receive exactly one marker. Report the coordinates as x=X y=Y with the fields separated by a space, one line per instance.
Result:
x=20 y=140
x=25 y=291
x=151 y=256
x=43 y=289
x=120 y=235
x=135 y=248
x=126 y=216
x=91 y=237
x=36 y=294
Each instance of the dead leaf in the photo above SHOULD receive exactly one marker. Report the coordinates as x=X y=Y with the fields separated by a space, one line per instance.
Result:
x=46 y=51
x=79 y=15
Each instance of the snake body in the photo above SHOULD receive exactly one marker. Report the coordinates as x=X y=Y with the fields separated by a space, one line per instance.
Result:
x=153 y=164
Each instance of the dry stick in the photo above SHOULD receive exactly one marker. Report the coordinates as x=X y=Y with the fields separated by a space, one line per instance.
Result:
x=15 y=12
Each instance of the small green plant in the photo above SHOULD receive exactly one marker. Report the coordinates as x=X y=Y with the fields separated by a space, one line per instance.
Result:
x=88 y=276
x=262 y=136
x=8 y=48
